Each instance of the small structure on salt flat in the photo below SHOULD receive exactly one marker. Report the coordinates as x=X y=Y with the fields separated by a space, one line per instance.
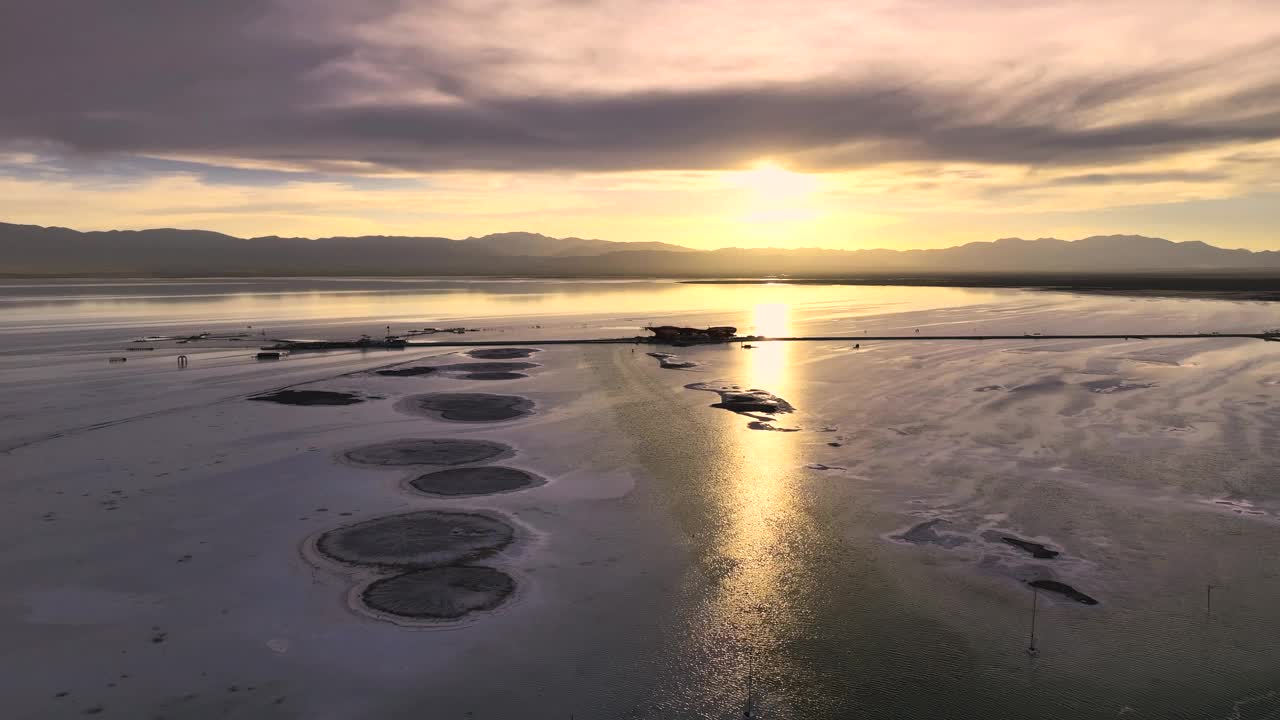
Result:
x=685 y=335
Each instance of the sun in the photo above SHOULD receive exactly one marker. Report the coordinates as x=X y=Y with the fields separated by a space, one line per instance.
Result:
x=774 y=181
x=775 y=194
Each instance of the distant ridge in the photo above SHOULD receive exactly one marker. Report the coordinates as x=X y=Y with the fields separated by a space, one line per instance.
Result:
x=31 y=250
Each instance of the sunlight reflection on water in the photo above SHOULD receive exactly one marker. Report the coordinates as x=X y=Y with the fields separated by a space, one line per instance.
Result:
x=747 y=616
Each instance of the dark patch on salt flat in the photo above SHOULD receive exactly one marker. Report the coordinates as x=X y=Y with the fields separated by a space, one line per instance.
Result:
x=763 y=425
x=749 y=402
x=407 y=372
x=757 y=404
x=310 y=397
x=478 y=367
x=502 y=353
x=1034 y=548
x=483 y=480
x=1040 y=386
x=1063 y=589
x=1114 y=385
x=1239 y=506
x=754 y=401
x=671 y=362
x=417 y=540
x=487 y=370
x=444 y=593
x=926 y=533
x=494 y=376
x=1152 y=361
x=426 y=452
x=467 y=407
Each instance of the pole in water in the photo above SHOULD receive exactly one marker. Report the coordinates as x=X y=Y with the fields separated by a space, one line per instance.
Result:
x=749 y=706
x=1035 y=597
x=1208 y=600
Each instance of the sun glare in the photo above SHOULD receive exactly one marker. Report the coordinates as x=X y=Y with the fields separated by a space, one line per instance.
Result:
x=776 y=194
x=774 y=181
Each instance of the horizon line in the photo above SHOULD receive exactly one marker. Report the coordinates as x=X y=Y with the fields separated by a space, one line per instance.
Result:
x=634 y=242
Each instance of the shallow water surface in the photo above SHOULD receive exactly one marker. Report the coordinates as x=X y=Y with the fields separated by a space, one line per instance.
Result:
x=874 y=563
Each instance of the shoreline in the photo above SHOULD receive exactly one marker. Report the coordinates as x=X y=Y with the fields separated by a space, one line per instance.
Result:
x=1206 y=286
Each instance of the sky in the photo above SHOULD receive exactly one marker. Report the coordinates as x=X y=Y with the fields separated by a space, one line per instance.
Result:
x=749 y=123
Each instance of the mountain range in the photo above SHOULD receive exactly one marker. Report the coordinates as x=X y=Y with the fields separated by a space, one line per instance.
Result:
x=31 y=250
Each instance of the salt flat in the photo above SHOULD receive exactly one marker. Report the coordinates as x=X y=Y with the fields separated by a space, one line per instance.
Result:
x=160 y=528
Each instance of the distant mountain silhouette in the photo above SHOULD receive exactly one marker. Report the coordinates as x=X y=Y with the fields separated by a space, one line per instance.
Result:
x=535 y=245
x=34 y=250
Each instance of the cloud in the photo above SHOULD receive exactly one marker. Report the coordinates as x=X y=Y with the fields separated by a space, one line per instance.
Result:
x=378 y=87
x=1172 y=176
x=937 y=120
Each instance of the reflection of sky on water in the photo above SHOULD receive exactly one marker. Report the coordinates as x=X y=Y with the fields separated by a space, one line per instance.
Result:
x=789 y=576
x=762 y=501
x=340 y=307
x=744 y=624
x=766 y=365
x=303 y=300
x=832 y=621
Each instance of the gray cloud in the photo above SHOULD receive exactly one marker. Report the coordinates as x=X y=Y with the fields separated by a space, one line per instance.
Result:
x=1137 y=178
x=256 y=80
